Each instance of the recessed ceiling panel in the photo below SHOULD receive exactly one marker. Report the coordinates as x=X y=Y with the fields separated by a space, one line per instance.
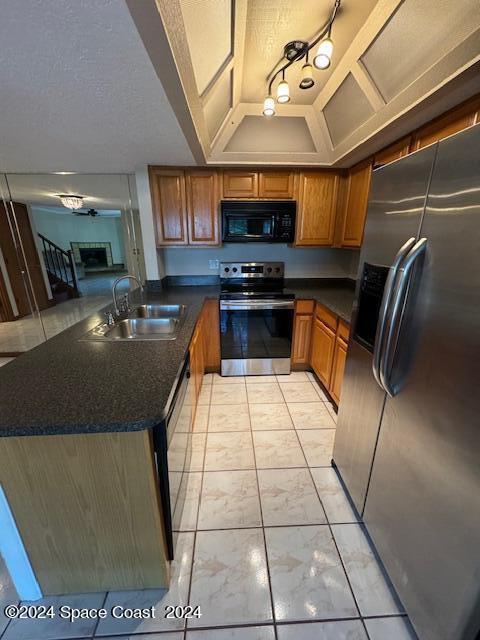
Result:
x=258 y=134
x=419 y=34
x=346 y=110
x=273 y=23
x=208 y=24
x=219 y=103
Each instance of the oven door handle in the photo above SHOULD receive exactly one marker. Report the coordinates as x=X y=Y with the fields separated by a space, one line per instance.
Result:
x=251 y=305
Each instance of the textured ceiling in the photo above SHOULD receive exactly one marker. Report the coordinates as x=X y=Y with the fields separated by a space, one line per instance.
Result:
x=273 y=23
x=78 y=91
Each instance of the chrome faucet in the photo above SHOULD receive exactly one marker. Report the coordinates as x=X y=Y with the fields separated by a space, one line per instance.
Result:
x=125 y=305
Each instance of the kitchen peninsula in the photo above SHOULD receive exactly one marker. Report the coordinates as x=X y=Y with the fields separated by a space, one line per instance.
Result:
x=77 y=459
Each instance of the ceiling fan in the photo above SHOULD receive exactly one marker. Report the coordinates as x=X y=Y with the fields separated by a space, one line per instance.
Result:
x=89 y=212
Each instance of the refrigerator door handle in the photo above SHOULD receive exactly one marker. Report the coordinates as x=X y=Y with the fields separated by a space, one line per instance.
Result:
x=384 y=309
x=397 y=314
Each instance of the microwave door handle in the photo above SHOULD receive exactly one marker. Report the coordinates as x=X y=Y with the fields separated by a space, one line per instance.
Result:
x=396 y=318
x=385 y=307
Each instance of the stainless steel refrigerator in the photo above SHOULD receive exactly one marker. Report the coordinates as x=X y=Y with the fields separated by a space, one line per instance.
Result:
x=408 y=434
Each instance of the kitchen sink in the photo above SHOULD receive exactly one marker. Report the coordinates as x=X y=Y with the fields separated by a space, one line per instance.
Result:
x=159 y=311
x=147 y=322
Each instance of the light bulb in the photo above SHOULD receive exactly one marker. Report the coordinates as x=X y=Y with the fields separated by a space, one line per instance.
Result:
x=307 y=80
x=269 y=107
x=324 y=54
x=283 y=92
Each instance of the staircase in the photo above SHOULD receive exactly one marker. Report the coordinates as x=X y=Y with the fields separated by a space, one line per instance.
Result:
x=60 y=270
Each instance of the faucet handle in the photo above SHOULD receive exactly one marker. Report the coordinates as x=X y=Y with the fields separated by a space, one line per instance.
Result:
x=110 y=318
x=125 y=304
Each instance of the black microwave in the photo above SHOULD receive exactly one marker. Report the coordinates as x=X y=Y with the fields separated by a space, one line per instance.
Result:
x=258 y=221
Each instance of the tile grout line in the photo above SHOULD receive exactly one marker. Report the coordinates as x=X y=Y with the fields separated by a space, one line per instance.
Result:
x=263 y=531
x=97 y=622
x=336 y=546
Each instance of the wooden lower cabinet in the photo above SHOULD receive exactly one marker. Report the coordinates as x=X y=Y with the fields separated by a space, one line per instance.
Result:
x=339 y=359
x=211 y=335
x=302 y=333
x=328 y=350
x=204 y=348
x=323 y=344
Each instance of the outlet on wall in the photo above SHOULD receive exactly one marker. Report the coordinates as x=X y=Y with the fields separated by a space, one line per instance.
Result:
x=213 y=264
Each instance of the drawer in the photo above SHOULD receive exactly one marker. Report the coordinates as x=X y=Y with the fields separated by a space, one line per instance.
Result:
x=304 y=306
x=343 y=330
x=326 y=316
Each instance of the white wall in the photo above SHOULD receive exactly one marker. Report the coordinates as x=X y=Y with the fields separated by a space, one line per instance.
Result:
x=154 y=266
x=63 y=228
x=299 y=263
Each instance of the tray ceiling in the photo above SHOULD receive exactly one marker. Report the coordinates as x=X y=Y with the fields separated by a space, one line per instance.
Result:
x=386 y=67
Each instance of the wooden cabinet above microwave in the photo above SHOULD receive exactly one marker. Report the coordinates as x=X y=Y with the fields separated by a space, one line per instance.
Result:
x=271 y=185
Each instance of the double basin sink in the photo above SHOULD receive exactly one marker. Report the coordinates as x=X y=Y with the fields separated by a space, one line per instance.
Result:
x=146 y=322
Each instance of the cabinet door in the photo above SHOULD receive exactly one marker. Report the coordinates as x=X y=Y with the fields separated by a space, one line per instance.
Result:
x=211 y=334
x=323 y=345
x=395 y=151
x=276 y=184
x=168 y=202
x=240 y=184
x=202 y=207
x=301 y=340
x=339 y=359
x=451 y=122
x=316 y=208
x=356 y=204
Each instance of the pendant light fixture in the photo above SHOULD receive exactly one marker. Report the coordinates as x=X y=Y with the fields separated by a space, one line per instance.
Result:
x=297 y=50
x=283 y=90
x=71 y=201
x=269 y=107
x=323 y=58
x=307 y=81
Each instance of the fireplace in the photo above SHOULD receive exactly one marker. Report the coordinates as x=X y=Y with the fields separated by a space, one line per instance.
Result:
x=93 y=258
x=93 y=255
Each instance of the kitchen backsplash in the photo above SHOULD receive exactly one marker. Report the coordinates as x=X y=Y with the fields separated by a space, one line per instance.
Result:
x=299 y=263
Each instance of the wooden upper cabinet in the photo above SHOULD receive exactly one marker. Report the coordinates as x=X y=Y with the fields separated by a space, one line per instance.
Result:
x=453 y=121
x=240 y=184
x=358 y=187
x=395 y=151
x=202 y=207
x=317 y=196
x=276 y=184
x=169 y=207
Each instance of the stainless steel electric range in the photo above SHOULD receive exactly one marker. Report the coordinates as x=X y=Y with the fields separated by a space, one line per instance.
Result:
x=256 y=319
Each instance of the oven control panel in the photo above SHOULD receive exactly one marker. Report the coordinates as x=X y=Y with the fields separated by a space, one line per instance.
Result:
x=252 y=270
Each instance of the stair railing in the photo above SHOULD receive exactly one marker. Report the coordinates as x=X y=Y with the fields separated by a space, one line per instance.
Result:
x=60 y=264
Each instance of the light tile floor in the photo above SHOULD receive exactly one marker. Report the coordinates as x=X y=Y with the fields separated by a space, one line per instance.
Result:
x=268 y=546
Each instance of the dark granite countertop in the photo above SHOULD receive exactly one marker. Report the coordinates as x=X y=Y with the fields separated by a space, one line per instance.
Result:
x=67 y=386
x=336 y=294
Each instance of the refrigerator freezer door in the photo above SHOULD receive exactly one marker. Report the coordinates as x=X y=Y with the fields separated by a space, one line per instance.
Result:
x=423 y=504
x=395 y=209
